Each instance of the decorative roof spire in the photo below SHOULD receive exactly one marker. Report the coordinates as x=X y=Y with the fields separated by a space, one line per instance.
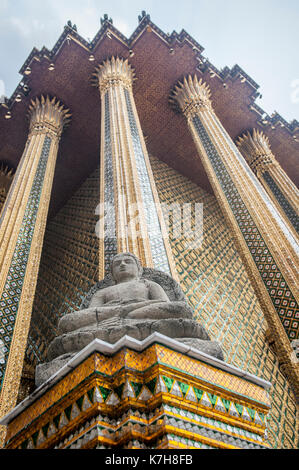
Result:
x=105 y=18
x=143 y=15
x=73 y=26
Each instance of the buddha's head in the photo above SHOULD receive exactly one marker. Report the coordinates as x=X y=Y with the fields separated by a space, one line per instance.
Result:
x=125 y=267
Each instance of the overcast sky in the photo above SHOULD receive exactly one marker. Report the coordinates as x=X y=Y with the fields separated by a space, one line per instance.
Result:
x=259 y=35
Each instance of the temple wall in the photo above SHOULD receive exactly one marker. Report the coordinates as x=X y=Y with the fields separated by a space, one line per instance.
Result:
x=68 y=268
x=212 y=277
x=217 y=286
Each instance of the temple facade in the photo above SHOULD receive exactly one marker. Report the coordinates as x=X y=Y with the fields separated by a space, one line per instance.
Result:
x=142 y=145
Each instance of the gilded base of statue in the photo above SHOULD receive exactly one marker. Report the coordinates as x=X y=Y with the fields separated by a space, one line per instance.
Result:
x=152 y=394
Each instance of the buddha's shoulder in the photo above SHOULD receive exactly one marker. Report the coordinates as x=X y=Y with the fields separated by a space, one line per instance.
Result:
x=104 y=290
x=150 y=283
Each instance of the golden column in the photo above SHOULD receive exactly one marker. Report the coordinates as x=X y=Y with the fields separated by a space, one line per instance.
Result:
x=284 y=194
x=23 y=221
x=268 y=248
x=130 y=213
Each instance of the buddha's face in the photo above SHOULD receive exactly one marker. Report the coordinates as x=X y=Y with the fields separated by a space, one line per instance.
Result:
x=124 y=268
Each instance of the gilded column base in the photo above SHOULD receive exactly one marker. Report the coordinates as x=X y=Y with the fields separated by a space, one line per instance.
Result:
x=156 y=394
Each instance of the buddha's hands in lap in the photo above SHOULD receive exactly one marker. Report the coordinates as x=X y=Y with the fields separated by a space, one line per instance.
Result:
x=161 y=310
x=128 y=308
x=95 y=315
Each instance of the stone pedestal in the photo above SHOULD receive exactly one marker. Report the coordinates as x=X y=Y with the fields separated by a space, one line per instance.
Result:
x=151 y=394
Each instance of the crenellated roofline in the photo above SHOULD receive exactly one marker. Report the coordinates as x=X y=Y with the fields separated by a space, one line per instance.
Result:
x=160 y=60
x=70 y=33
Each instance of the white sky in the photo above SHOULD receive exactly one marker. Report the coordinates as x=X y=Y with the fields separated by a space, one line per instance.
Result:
x=259 y=35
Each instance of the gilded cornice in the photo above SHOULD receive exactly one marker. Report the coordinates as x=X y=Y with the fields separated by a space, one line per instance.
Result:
x=191 y=95
x=113 y=72
x=47 y=116
x=256 y=150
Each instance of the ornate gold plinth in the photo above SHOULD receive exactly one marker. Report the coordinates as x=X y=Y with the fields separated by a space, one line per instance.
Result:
x=157 y=393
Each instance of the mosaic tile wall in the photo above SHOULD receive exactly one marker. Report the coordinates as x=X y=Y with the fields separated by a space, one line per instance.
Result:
x=69 y=266
x=216 y=284
x=212 y=277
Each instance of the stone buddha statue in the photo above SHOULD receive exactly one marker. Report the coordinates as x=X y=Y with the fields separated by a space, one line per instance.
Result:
x=132 y=301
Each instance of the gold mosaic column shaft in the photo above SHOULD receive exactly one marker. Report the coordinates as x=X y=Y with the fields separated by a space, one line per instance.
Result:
x=255 y=148
x=13 y=209
x=23 y=222
x=6 y=177
x=248 y=211
x=128 y=189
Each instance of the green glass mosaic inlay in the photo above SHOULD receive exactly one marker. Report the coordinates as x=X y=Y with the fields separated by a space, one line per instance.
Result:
x=283 y=202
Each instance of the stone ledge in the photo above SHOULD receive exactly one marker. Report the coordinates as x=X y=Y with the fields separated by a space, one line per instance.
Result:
x=112 y=349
